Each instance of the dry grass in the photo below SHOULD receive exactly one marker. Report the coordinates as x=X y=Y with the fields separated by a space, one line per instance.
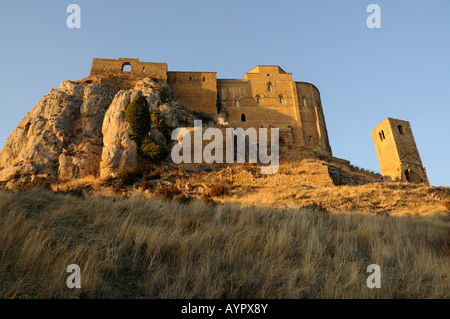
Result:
x=136 y=247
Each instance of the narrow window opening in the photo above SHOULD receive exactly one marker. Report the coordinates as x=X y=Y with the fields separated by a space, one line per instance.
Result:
x=190 y=78
x=408 y=175
x=103 y=68
x=381 y=136
x=258 y=99
x=243 y=118
x=281 y=99
x=382 y=133
x=270 y=87
x=203 y=79
x=236 y=103
x=400 y=129
x=304 y=102
x=143 y=69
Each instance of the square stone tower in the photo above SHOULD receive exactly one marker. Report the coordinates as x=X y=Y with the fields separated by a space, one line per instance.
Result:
x=397 y=152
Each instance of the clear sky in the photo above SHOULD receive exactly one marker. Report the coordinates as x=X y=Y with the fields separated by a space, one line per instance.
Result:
x=401 y=70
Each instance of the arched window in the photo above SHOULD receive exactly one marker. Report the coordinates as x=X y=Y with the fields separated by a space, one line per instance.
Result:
x=258 y=99
x=281 y=97
x=126 y=67
x=243 y=117
x=270 y=87
x=236 y=103
x=143 y=69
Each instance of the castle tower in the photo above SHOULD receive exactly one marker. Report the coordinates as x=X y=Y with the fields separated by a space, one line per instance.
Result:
x=268 y=97
x=397 y=152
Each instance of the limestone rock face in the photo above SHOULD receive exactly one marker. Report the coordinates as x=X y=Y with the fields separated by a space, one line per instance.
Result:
x=79 y=130
x=119 y=150
x=35 y=144
x=82 y=154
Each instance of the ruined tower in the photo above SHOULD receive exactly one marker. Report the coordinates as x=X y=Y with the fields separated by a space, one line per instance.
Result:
x=397 y=152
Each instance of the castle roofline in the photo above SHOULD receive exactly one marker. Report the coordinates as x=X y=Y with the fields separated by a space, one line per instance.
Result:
x=391 y=118
x=303 y=82
x=257 y=69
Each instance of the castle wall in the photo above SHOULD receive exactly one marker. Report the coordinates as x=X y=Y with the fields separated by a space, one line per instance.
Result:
x=114 y=68
x=250 y=103
x=198 y=90
x=266 y=97
x=312 y=117
x=397 y=152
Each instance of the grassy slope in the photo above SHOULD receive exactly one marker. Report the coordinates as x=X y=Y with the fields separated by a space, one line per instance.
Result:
x=152 y=248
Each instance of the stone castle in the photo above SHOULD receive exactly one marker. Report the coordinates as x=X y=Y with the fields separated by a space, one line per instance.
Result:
x=268 y=97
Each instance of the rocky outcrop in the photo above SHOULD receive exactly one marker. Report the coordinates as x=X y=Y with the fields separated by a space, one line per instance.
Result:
x=34 y=146
x=79 y=130
x=119 y=150
x=81 y=156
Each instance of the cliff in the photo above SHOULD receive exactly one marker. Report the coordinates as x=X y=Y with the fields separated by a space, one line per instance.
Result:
x=79 y=130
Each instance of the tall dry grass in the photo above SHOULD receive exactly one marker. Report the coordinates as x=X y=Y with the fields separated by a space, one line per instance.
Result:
x=151 y=248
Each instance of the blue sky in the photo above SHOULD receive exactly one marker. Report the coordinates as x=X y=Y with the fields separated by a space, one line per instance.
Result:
x=364 y=75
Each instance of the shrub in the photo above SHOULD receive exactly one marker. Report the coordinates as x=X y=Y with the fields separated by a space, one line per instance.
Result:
x=138 y=116
x=152 y=175
x=152 y=150
x=218 y=190
x=140 y=119
x=163 y=96
x=127 y=177
x=168 y=192
x=145 y=184
x=161 y=124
